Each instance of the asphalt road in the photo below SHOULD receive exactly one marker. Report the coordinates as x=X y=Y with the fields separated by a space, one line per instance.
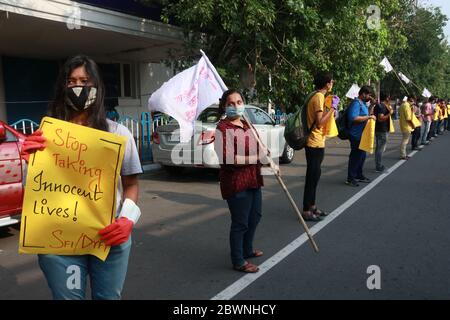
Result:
x=180 y=247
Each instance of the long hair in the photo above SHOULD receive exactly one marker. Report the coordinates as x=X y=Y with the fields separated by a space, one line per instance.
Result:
x=59 y=109
x=223 y=100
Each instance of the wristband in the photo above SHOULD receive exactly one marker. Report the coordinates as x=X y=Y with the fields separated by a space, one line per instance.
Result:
x=130 y=211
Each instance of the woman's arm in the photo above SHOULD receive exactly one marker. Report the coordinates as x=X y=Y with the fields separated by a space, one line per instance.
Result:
x=131 y=187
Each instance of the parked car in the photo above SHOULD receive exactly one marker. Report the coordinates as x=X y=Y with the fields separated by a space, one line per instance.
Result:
x=173 y=155
x=11 y=174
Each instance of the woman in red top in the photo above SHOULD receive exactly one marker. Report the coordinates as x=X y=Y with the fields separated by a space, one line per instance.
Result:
x=240 y=178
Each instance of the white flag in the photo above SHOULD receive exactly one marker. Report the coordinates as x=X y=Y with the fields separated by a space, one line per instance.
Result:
x=353 y=92
x=426 y=93
x=386 y=65
x=187 y=94
x=404 y=78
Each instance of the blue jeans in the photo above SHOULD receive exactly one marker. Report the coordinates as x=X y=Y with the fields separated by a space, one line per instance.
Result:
x=245 y=208
x=106 y=277
x=356 y=160
x=425 y=129
x=381 y=141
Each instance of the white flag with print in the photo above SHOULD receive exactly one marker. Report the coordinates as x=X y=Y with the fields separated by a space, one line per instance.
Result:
x=426 y=93
x=404 y=78
x=187 y=94
x=353 y=92
x=386 y=65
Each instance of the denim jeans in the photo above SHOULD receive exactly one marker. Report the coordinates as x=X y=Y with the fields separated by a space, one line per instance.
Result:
x=245 y=208
x=314 y=158
x=425 y=129
x=106 y=277
x=438 y=127
x=356 y=160
x=380 y=148
x=432 y=131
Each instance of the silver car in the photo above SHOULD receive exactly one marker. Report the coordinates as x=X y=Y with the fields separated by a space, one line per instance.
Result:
x=199 y=152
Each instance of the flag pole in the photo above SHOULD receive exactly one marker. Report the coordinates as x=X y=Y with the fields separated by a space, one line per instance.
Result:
x=415 y=84
x=400 y=81
x=283 y=186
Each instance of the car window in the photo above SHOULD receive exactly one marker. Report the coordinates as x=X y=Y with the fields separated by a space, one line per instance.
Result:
x=257 y=116
x=209 y=115
x=10 y=137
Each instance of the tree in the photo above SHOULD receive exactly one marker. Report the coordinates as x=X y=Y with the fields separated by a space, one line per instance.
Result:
x=290 y=40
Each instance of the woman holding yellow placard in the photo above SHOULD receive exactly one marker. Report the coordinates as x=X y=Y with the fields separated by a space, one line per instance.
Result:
x=79 y=99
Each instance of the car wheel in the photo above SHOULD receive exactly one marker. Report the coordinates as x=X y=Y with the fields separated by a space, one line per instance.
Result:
x=173 y=170
x=288 y=154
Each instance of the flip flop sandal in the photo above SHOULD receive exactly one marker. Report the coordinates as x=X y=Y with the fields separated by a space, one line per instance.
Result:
x=247 y=267
x=255 y=254
x=320 y=213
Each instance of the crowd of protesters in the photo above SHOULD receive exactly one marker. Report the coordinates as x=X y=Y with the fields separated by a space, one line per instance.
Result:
x=420 y=122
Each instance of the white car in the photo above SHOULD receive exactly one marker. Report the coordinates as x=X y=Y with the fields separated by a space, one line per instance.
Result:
x=199 y=152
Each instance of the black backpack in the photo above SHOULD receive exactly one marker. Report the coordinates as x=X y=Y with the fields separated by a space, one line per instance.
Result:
x=343 y=125
x=296 y=130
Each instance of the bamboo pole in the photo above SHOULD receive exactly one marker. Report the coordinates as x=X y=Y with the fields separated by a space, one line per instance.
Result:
x=283 y=186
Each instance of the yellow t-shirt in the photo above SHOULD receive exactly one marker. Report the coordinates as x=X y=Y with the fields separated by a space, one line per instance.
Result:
x=316 y=138
x=448 y=110
x=436 y=113
x=445 y=112
x=405 y=118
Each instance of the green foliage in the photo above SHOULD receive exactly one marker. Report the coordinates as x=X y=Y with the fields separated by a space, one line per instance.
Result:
x=293 y=39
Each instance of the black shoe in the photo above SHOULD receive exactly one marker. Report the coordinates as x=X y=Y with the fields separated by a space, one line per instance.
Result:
x=380 y=169
x=352 y=183
x=363 y=179
x=320 y=213
x=311 y=217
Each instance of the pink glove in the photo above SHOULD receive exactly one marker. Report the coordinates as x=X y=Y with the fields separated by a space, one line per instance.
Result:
x=32 y=143
x=335 y=102
x=117 y=233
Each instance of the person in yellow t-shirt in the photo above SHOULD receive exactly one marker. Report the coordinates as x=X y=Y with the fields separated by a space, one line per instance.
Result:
x=448 y=116
x=444 y=115
x=317 y=118
x=440 y=116
x=406 y=125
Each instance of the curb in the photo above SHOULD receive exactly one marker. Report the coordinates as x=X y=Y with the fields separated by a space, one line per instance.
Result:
x=151 y=167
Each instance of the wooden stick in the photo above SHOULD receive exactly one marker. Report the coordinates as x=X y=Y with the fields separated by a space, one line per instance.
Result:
x=283 y=186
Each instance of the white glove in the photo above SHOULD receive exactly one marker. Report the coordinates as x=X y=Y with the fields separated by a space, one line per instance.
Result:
x=130 y=210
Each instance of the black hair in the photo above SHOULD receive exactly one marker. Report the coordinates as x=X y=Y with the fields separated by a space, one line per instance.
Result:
x=223 y=100
x=58 y=108
x=321 y=79
x=383 y=96
x=365 y=90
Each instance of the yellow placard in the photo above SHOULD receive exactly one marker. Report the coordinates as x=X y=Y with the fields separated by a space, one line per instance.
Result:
x=70 y=191
x=331 y=129
x=368 y=137
x=391 y=125
x=328 y=101
x=415 y=121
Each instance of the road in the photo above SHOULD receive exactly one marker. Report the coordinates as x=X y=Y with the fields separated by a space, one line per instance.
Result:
x=180 y=246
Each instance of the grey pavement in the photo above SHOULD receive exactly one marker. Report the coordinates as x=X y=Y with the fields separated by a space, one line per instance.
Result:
x=180 y=246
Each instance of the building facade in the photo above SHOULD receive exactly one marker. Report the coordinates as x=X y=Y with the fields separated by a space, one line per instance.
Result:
x=123 y=37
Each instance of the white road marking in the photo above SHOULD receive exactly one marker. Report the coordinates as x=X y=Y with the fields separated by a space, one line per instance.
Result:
x=248 y=279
